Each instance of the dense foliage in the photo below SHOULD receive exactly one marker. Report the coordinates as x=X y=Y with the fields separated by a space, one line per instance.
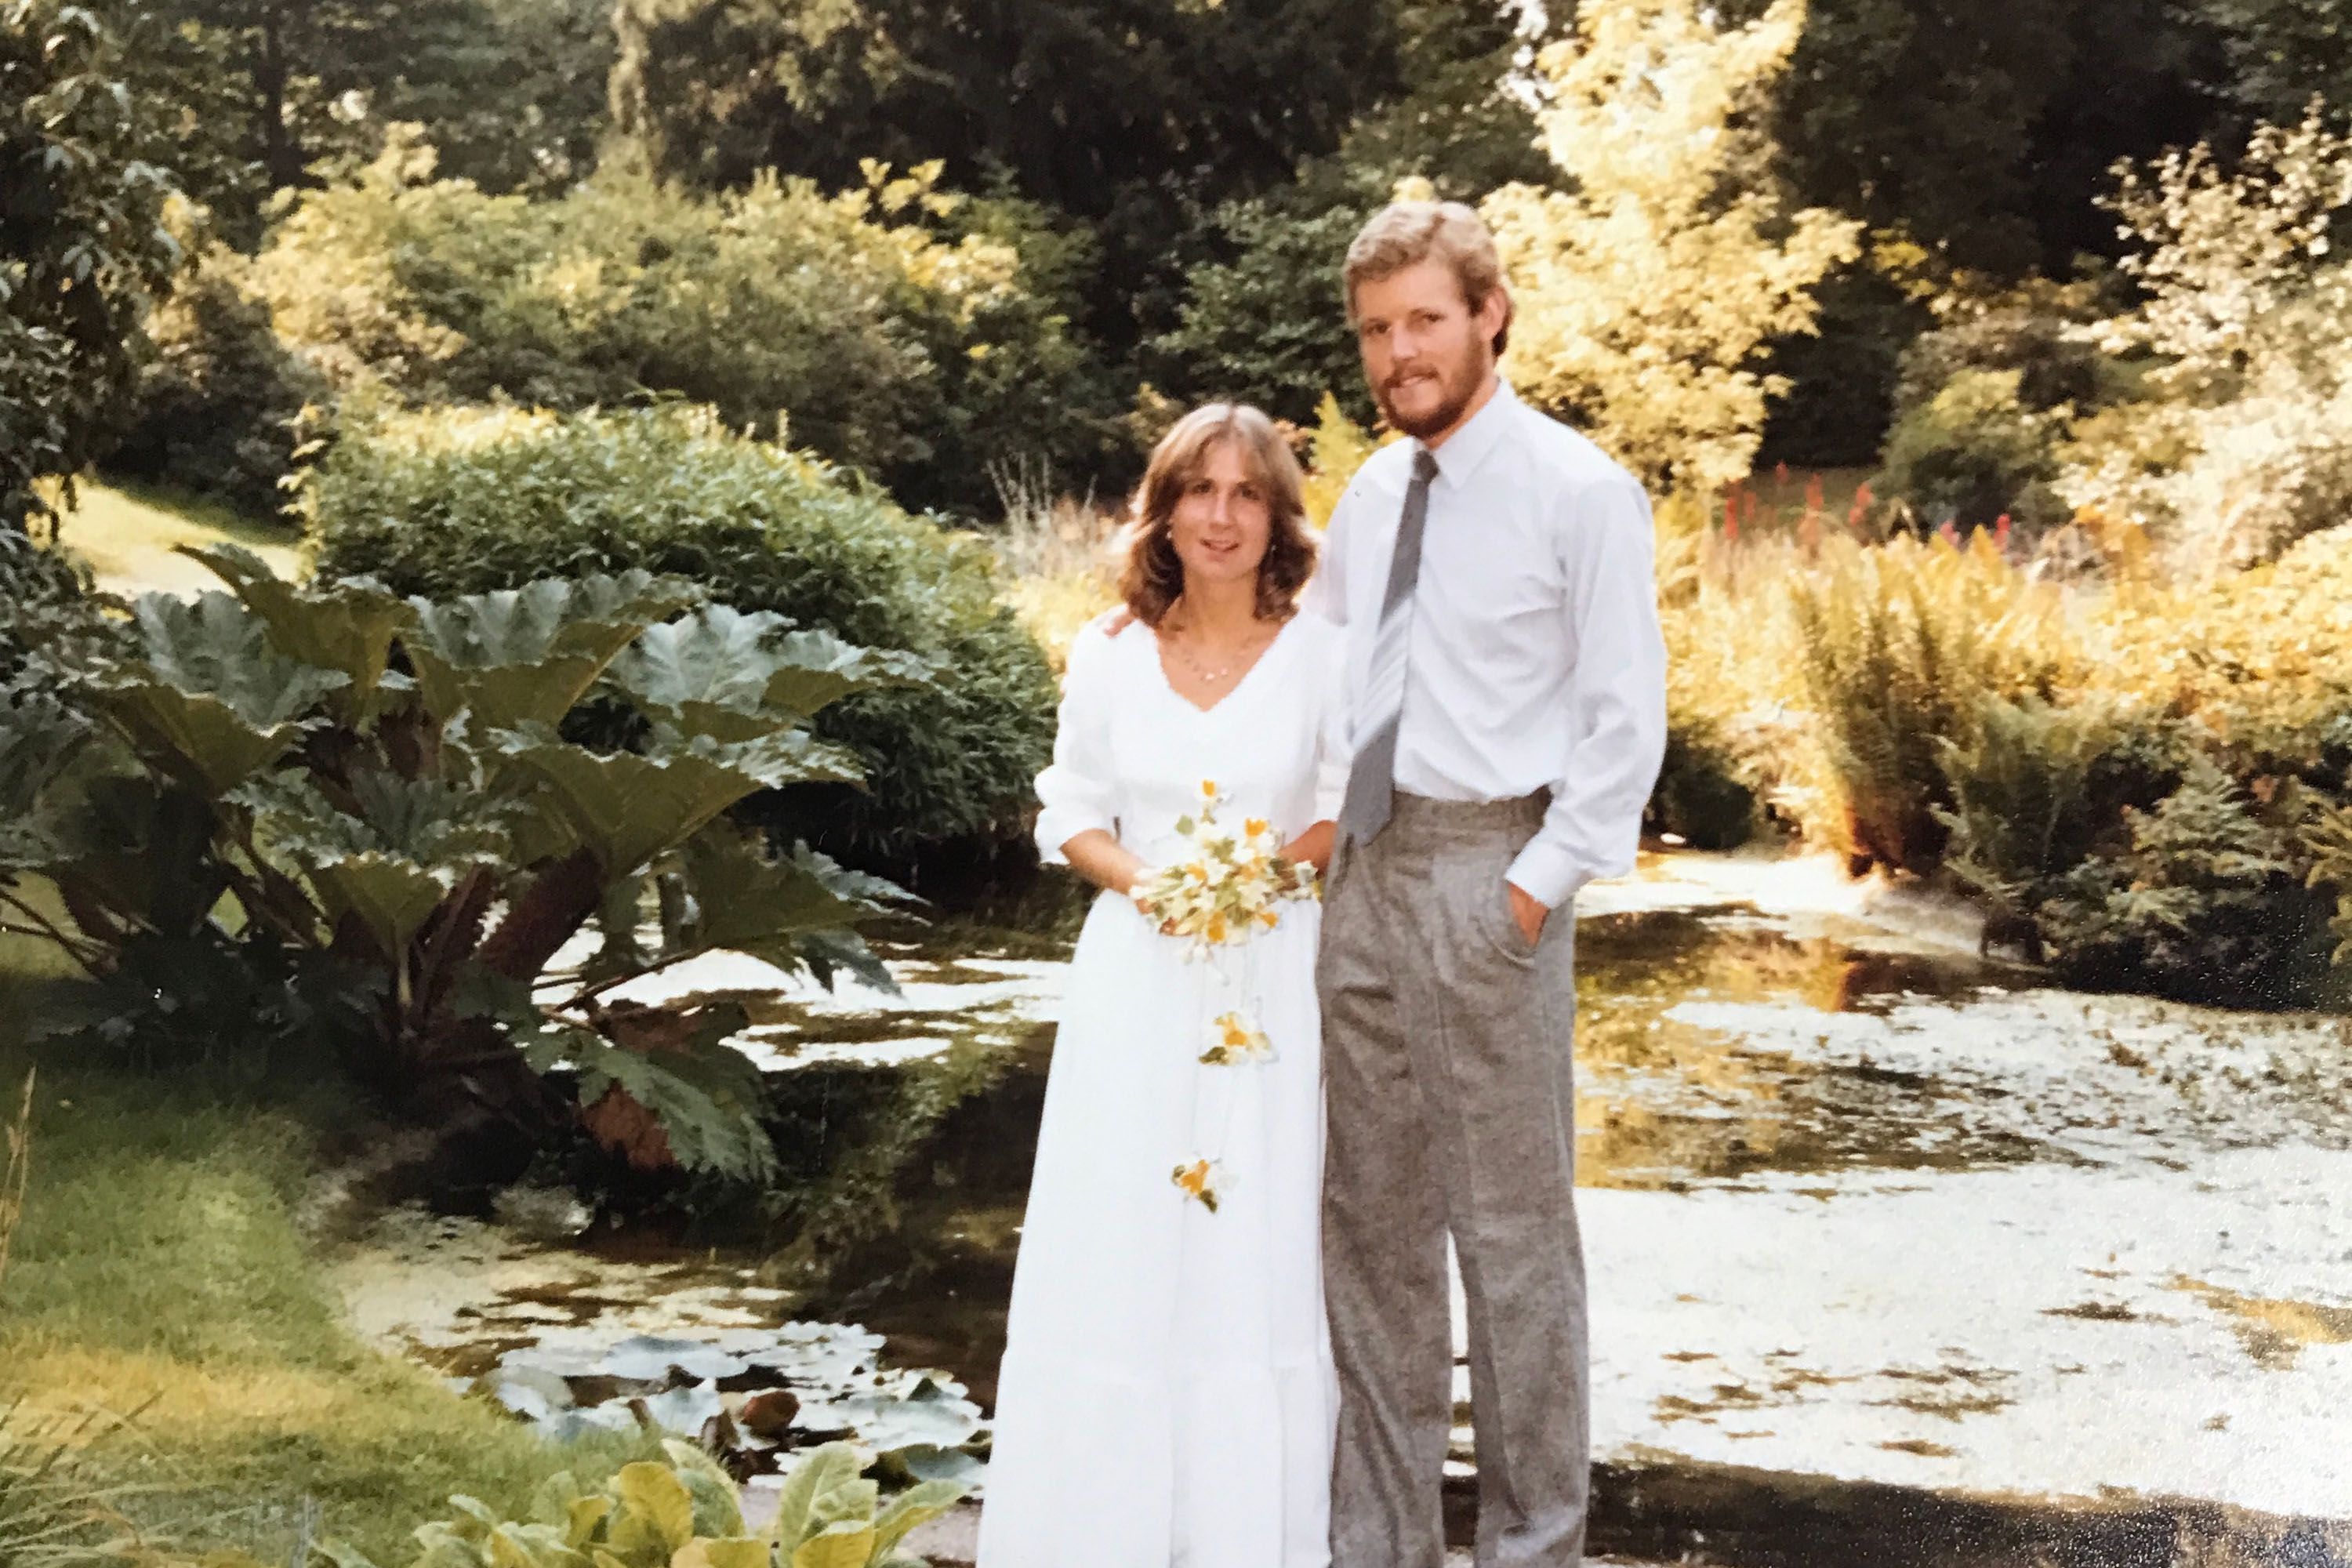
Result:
x=335 y=820
x=890 y=328
x=83 y=250
x=473 y=503
x=1645 y=294
x=222 y=407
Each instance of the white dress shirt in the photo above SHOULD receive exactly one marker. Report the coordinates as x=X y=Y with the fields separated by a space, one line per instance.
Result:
x=1536 y=661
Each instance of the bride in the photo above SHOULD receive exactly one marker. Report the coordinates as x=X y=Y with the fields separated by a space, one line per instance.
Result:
x=1167 y=1399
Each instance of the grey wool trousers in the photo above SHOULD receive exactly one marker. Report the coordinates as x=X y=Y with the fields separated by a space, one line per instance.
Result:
x=1451 y=1109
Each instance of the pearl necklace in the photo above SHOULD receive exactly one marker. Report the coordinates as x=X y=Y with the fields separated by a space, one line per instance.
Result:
x=1214 y=677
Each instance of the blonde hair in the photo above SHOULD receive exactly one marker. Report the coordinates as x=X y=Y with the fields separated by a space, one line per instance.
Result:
x=1405 y=234
x=1153 y=576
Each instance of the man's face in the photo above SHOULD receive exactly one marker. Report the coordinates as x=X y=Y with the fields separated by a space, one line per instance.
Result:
x=1426 y=352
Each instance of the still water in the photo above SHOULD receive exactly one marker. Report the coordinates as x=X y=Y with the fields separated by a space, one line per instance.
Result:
x=1862 y=1212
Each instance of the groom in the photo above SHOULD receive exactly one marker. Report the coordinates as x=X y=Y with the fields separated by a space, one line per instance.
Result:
x=1509 y=714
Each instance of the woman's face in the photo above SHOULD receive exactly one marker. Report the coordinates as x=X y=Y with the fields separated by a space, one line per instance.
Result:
x=1222 y=522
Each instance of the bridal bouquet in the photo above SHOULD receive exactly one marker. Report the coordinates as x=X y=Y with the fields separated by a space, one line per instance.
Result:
x=1228 y=884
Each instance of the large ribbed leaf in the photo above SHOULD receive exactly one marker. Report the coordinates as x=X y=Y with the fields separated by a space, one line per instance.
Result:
x=693 y=1105
x=505 y=695
x=913 y=1509
x=821 y=1470
x=209 y=702
x=347 y=627
x=392 y=897
x=848 y=1544
x=724 y=673
x=213 y=645
x=761 y=906
x=427 y=821
x=527 y=655
x=39 y=739
x=818 y=667
x=199 y=740
x=628 y=808
x=392 y=862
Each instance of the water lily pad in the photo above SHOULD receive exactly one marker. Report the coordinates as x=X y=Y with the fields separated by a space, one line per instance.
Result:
x=565 y=1360
x=686 y=1411
x=923 y=1462
x=828 y=1355
x=650 y=1359
x=913 y=1411
x=571 y=1425
x=530 y=1392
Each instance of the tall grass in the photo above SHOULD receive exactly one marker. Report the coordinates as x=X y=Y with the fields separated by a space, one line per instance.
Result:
x=1058 y=553
x=53 y=1513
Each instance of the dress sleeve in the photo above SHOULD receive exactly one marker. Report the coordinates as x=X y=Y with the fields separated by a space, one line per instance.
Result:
x=1079 y=790
x=1333 y=753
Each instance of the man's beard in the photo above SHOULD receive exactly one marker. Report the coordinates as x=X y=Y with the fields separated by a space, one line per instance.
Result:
x=1459 y=383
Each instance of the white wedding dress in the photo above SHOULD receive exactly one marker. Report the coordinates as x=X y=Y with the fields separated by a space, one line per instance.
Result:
x=1166 y=1399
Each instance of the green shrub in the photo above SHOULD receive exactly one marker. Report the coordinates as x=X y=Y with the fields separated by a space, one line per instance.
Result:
x=466 y=502
x=1972 y=454
x=894 y=329
x=2056 y=367
x=48 y=616
x=1702 y=795
x=1268 y=323
x=220 y=401
x=2175 y=820
x=2209 y=901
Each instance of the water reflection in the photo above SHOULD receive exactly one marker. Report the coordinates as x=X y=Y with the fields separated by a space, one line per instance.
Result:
x=1663 y=1103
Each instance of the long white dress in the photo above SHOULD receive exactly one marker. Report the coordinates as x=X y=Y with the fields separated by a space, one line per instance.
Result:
x=1166 y=1398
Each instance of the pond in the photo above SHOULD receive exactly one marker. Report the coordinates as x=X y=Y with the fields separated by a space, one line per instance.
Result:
x=1883 y=1239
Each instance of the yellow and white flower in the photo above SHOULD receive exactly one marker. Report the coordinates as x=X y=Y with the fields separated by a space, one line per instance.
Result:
x=1201 y=1181
x=1233 y=1042
x=1227 y=886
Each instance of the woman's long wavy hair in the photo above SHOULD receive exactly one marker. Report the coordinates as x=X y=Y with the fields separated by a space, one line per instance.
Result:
x=1151 y=576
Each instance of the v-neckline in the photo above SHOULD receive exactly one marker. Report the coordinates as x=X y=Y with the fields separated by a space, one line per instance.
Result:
x=1160 y=663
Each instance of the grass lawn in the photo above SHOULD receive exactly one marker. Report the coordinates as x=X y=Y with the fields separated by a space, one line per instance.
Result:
x=127 y=536
x=158 y=1271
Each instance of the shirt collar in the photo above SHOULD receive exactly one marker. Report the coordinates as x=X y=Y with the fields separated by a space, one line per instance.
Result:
x=1468 y=447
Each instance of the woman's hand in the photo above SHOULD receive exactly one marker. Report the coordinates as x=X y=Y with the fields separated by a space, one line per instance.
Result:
x=1314 y=847
x=1104 y=861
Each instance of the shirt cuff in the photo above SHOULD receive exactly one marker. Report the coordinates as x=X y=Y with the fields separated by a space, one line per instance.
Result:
x=1548 y=873
x=1057 y=825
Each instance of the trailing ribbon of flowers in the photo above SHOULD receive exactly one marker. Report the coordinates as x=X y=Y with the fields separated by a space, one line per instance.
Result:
x=1227 y=888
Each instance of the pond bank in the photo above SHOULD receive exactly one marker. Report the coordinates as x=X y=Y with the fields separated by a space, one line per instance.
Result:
x=1887 y=1245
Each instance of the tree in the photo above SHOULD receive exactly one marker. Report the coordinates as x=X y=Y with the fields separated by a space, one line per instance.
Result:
x=2282 y=54
x=1647 y=289
x=1266 y=320
x=2245 y=443
x=510 y=92
x=83 y=250
x=1133 y=117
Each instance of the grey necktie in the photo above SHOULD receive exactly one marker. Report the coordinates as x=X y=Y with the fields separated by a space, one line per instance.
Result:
x=1371 y=780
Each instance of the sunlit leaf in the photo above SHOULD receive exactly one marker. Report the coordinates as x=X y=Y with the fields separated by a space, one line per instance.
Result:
x=348 y=626
x=627 y=808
